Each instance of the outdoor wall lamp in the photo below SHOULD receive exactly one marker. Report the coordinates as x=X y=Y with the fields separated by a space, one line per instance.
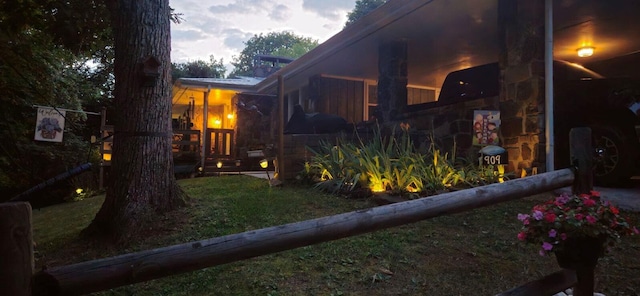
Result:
x=586 y=51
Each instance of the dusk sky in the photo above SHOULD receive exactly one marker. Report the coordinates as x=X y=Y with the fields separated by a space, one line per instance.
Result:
x=219 y=27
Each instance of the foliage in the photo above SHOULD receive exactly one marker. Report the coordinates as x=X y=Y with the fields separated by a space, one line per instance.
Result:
x=473 y=175
x=198 y=69
x=45 y=47
x=384 y=163
x=551 y=224
x=393 y=164
x=334 y=166
x=363 y=7
x=439 y=174
x=284 y=43
x=36 y=72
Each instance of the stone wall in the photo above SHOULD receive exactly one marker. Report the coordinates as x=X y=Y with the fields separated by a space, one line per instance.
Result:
x=448 y=125
x=521 y=25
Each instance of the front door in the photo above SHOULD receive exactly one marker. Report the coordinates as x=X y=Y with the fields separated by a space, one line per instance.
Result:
x=220 y=143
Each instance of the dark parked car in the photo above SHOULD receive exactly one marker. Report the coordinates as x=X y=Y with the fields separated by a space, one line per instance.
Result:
x=609 y=106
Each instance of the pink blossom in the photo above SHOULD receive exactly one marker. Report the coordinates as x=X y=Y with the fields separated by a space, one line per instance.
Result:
x=614 y=210
x=547 y=246
x=636 y=231
x=538 y=215
x=542 y=253
x=591 y=219
x=523 y=217
x=522 y=236
x=589 y=202
x=579 y=217
x=552 y=233
x=550 y=217
x=562 y=199
x=563 y=236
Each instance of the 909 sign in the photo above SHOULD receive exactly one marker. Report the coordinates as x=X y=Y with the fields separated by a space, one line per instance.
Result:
x=501 y=158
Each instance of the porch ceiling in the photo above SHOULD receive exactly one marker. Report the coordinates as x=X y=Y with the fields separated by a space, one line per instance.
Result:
x=447 y=35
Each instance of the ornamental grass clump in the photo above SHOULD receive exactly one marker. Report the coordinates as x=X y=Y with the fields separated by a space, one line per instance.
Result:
x=556 y=224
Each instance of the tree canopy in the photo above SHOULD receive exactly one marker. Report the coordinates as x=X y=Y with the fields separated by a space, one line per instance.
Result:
x=363 y=7
x=286 y=44
x=44 y=50
x=198 y=69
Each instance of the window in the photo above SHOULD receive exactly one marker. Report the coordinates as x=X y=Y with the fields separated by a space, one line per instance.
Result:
x=371 y=100
x=420 y=95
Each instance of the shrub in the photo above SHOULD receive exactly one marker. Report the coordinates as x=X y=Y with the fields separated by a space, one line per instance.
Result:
x=393 y=164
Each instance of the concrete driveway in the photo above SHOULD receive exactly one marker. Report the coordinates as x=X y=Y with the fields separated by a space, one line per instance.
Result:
x=627 y=198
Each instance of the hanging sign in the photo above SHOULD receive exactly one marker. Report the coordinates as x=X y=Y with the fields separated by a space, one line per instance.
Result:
x=49 y=125
x=486 y=124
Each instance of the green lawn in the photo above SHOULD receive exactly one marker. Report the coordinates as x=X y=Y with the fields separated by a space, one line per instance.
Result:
x=472 y=253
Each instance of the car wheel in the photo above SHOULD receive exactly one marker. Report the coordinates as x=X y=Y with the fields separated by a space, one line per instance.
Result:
x=615 y=155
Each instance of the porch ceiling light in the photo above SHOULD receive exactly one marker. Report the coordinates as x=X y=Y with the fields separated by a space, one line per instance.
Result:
x=586 y=51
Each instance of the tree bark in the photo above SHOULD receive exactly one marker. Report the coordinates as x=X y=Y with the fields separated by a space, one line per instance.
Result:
x=141 y=183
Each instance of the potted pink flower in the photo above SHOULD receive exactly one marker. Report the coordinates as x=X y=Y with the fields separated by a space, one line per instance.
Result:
x=578 y=229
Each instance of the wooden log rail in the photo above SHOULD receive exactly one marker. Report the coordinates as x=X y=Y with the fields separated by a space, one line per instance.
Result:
x=107 y=273
x=16 y=264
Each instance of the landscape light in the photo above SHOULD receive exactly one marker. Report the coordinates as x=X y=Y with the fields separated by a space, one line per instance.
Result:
x=264 y=163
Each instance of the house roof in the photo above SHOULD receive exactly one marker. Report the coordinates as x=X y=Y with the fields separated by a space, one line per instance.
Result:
x=186 y=88
x=444 y=36
x=448 y=35
x=240 y=83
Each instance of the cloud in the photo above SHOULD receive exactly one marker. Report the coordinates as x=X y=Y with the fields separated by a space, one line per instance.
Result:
x=332 y=10
x=235 y=38
x=187 y=35
x=280 y=13
x=241 y=7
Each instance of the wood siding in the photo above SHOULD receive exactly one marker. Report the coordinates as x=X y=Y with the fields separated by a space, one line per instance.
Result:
x=338 y=96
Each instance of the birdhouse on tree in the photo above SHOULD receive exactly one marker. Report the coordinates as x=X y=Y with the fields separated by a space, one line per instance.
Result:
x=150 y=71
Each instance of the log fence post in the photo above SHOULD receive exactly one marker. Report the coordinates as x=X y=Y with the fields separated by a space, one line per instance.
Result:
x=16 y=249
x=581 y=155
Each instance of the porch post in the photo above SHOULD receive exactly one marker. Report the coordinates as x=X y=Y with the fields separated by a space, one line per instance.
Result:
x=522 y=94
x=205 y=135
x=280 y=169
x=392 y=79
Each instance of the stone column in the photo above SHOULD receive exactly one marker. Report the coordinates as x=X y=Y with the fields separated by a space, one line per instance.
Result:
x=521 y=31
x=392 y=79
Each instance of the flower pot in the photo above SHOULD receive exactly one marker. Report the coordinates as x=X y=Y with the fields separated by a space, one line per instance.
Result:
x=580 y=253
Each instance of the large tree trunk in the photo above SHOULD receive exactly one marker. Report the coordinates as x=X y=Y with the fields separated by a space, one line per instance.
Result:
x=141 y=182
